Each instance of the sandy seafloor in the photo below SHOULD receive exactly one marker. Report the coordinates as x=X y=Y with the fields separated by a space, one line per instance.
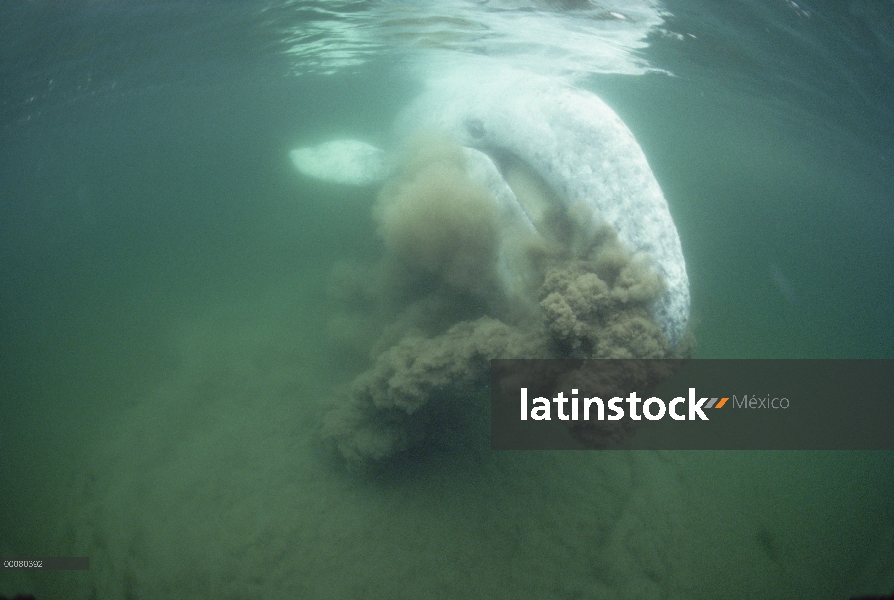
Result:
x=165 y=358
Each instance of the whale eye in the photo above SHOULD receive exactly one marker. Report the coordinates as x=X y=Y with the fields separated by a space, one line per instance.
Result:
x=476 y=128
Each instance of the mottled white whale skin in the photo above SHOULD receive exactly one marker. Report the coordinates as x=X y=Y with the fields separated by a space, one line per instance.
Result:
x=569 y=137
x=579 y=147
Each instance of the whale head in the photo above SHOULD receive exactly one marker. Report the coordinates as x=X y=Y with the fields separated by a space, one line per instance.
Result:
x=576 y=146
x=524 y=131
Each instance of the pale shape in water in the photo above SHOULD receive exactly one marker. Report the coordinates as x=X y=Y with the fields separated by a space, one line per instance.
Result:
x=569 y=137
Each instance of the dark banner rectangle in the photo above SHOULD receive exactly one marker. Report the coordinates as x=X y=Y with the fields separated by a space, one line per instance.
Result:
x=695 y=404
x=54 y=563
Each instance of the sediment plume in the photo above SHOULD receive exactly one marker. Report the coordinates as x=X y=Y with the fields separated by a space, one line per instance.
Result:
x=436 y=306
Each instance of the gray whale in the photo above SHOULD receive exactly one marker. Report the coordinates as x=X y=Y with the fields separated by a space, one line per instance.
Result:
x=569 y=137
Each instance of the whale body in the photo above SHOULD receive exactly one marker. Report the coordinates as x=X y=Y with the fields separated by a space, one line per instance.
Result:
x=571 y=139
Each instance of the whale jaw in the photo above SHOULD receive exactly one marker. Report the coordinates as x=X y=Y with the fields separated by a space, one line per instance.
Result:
x=536 y=144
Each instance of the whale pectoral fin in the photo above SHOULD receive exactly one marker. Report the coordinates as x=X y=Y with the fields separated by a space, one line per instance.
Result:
x=349 y=162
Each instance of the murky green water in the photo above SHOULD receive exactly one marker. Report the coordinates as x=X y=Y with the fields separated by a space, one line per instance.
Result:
x=163 y=326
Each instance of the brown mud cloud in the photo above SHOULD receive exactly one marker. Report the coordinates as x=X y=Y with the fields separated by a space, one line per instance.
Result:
x=437 y=305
